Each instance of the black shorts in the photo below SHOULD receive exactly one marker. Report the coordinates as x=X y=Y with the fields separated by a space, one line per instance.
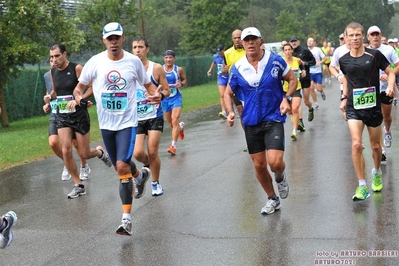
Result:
x=305 y=82
x=265 y=136
x=150 y=124
x=237 y=102
x=371 y=117
x=79 y=121
x=52 y=129
x=385 y=99
x=297 y=93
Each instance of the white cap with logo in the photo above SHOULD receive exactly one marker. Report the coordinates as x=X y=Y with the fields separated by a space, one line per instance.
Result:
x=113 y=28
x=251 y=31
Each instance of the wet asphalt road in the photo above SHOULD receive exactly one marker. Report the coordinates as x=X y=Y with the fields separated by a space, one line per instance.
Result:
x=210 y=212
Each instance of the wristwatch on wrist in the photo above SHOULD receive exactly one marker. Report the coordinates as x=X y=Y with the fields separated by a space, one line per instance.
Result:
x=289 y=99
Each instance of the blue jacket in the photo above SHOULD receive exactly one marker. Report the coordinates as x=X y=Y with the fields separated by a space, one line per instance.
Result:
x=262 y=99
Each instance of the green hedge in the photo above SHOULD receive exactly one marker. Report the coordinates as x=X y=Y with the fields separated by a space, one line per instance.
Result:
x=24 y=95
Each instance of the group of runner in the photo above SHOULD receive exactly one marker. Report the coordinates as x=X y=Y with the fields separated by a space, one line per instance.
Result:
x=132 y=96
x=129 y=91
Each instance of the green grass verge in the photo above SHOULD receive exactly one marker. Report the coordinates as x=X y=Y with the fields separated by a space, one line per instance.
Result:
x=27 y=140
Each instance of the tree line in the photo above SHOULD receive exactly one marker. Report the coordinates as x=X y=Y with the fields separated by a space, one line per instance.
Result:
x=29 y=27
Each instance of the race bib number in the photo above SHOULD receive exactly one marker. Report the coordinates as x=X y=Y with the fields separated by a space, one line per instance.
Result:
x=173 y=91
x=62 y=102
x=144 y=108
x=364 y=98
x=219 y=68
x=296 y=72
x=53 y=105
x=114 y=102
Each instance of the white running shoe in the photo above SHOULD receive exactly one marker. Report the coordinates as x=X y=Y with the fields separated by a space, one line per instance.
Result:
x=104 y=157
x=139 y=188
x=387 y=138
x=283 y=188
x=125 y=228
x=271 y=206
x=157 y=190
x=65 y=174
x=84 y=172
x=6 y=235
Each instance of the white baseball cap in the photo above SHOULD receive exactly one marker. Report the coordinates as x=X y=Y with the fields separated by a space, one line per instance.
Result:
x=251 y=31
x=373 y=29
x=113 y=28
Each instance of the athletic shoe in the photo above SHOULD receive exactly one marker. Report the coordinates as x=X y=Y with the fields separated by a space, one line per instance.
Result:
x=316 y=106
x=139 y=188
x=157 y=190
x=6 y=234
x=283 y=188
x=222 y=115
x=105 y=157
x=271 y=206
x=294 y=135
x=395 y=101
x=301 y=126
x=329 y=81
x=65 y=174
x=323 y=95
x=245 y=150
x=311 y=115
x=84 y=172
x=376 y=186
x=325 y=80
x=125 y=228
x=181 y=132
x=171 y=150
x=76 y=192
x=362 y=193
x=383 y=158
x=387 y=138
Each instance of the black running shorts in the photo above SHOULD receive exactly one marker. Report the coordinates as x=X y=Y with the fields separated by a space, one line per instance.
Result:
x=79 y=121
x=371 y=117
x=265 y=136
x=150 y=124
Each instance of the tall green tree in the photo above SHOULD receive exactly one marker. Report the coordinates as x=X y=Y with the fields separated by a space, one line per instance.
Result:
x=27 y=29
x=95 y=14
x=325 y=19
x=163 y=23
x=211 y=22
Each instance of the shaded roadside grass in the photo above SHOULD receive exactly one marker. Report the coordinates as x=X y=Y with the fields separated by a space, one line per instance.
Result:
x=27 y=140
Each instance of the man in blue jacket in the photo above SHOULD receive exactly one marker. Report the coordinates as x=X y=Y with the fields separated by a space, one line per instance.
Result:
x=255 y=79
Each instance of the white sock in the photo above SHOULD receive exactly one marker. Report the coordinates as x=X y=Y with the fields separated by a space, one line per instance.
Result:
x=126 y=216
x=174 y=144
x=376 y=171
x=362 y=182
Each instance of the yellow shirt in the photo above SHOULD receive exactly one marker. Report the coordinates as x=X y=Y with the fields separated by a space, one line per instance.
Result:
x=232 y=55
x=297 y=71
x=326 y=52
